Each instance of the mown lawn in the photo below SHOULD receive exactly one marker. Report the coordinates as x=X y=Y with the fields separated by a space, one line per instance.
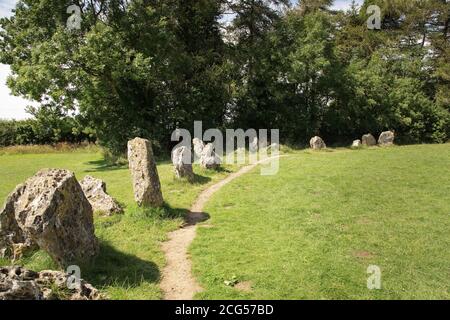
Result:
x=130 y=260
x=311 y=231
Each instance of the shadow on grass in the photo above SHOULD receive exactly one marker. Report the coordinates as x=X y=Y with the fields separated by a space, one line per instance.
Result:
x=199 y=179
x=112 y=267
x=103 y=165
x=164 y=212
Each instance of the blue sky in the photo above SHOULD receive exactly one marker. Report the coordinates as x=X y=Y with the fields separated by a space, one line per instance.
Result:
x=14 y=107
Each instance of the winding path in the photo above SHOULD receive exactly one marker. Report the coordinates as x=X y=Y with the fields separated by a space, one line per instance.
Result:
x=177 y=281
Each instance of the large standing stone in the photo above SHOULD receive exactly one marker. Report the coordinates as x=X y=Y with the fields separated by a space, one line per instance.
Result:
x=369 y=140
x=147 y=188
x=95 y=191
x=51 y=210
x=14 y=243
x=17 y=283
x=386 y=138
x=182 y=162
x=317 y=143
x=209 y=159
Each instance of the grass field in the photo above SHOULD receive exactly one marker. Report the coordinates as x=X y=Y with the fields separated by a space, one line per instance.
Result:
x=311 y=231
x=130 y=260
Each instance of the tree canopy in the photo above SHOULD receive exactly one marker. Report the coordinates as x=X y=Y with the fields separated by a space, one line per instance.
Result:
x=146 y=67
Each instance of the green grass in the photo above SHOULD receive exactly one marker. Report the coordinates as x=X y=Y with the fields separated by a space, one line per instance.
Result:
x=311 y=231
x=130 y=260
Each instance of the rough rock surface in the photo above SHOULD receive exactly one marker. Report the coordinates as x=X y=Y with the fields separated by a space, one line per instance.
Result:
x=317 y=143
x=146 y=184
x=50 y=210
x=369 y=140
x=254 y=145
x=13 y=241
x=95 y=191
x=199 y=145
x=209 y=159
x=356 y=144
x=182 y=162
x=17 y=283
x=386 y=138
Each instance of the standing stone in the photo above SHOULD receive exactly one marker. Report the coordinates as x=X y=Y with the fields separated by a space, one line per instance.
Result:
x=254 y=145
x=182 y=162
x=95 y=191
x=199 y=145
x=52 y=211
x=147 y=188
x=369 y=140
x=209 y=159
x=317 y=143
x=386 y=138
x=14 y=243
x=356 y=144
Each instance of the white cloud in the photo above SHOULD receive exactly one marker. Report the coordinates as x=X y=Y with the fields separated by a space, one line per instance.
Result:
x=6 y=6
x=11 y=107
x=345 y=4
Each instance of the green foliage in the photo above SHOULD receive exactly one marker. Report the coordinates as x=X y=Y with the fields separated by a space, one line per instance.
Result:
x=144 y=68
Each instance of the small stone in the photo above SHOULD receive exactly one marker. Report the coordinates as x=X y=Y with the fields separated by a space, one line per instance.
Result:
x=317 y=143
x=146 y=184
x=95 y=191
x=209 y=159
x=356 y=144
x=386 y=138
x=369 y=140
x=182 y=162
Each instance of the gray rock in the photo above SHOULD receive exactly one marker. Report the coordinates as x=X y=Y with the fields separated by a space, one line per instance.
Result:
x=17 y=283
x=146 y=184
x=14 y=243
x=254 y=145
x=95 y=191
x=199 y=145
x=386 y=138
x=209 y=159
x=51 y=210
x=356 y=144
x=182 y=162
x=317 y=143
x=368 y=140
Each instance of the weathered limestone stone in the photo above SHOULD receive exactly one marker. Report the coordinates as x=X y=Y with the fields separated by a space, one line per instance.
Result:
x=147 y=188
x=17 y=283
x=356 y=144
x=95 y=191
x=317 y=143
x=386 y=138
x=209 y=159
x=50 y=210
x=199 y=145
x=14 y=243
x=182 y=162
x=254 y=145
x=369 y=140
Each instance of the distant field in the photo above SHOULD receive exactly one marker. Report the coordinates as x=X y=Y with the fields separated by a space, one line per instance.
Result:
x=311 y=231
x=130 y=260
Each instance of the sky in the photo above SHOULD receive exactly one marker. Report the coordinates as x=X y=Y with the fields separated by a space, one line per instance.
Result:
x=12 y=107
